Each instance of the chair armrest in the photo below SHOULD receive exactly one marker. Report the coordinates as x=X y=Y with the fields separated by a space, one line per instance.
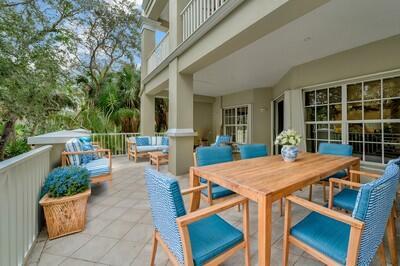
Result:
x=340 y=182
x=344 y=182
x=211 y=210
x=326 y=212
x=194 y=189
x=372 y=175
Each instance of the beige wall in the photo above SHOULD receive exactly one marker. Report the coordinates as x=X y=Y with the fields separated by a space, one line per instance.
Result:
x=383 y=55
x=259 y=99
x=203 y=121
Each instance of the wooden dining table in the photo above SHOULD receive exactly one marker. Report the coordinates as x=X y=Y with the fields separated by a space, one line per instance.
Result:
x=268 y=179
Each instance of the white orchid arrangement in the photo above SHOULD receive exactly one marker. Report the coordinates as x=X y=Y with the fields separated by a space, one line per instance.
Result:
x=288 y=137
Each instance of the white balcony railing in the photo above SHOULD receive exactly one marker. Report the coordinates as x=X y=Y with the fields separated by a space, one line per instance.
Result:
x=21 y=179
x=160 y=52
x=196 y=13
x=116 y=142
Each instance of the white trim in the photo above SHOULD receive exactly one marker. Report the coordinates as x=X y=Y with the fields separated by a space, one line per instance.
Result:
x=362 y=78
x=59 y=137
x=152 y=25
x=278 y=99
x=249 y=119
x=345 y=122
x=181 y=132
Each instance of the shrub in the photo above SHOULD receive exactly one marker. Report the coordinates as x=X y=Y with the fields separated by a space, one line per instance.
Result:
x=16 y=147
x=66 y=181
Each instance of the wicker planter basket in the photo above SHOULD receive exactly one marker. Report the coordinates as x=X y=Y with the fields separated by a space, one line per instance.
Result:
x=66 y=215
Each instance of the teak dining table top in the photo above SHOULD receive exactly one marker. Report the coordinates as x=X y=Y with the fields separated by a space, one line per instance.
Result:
x=267 y=179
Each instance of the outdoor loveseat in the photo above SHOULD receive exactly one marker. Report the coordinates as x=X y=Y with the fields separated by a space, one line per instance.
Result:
x=142 y=145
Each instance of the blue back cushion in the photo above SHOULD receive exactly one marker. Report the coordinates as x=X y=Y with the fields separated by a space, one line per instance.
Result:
x=373 y=207
x=86 y=158
x=248 y=151
x=165 y=141
x=213 y=155
x=166 y=205
x=335 y=149
x=221 y=139
x=86 y=139
x=142 y=141
x=87 y=146
x=397 y=162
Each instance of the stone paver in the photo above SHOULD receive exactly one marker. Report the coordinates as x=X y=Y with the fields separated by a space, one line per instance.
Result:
x=119 y=227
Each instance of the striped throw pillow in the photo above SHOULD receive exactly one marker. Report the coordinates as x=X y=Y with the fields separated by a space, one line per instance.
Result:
x=74 y=145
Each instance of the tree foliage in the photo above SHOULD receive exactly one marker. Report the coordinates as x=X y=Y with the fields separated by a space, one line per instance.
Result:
x=33 y=83
x=68 y=63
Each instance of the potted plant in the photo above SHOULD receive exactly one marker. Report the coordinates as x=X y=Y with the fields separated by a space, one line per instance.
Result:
x=289 y=139
x=64 y=199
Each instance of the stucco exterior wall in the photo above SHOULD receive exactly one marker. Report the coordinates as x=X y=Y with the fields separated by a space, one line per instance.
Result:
x=259 y=99
x=203 y=121
x=380 y=56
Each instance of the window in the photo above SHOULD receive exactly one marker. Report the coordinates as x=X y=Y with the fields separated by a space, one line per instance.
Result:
x=368 y=113
x=237 y=123
x=323 y=109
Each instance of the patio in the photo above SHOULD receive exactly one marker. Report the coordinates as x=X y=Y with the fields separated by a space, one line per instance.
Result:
x=119 y=227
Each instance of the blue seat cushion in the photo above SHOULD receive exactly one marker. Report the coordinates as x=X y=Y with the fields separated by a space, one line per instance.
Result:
x=218 y=192
x=98 y=167
x=345 y=199
x=147 y=148
x=204 y=181
x=341 y=174
x=324 y=234
x=211 y=237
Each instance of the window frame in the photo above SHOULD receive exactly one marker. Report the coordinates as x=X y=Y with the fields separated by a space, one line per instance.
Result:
x=236 y=125
x=344 y=107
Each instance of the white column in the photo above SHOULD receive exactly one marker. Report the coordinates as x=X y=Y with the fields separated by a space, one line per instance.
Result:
x=148 y=43
x=147 y=115
x=147 y=105
x=180 y=120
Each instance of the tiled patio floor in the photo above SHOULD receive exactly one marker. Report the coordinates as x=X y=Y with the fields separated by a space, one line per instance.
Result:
x=119 y=227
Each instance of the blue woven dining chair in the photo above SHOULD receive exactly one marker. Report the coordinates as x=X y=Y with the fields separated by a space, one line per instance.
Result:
x=209 y=156
x=221 y=140
x=332 y=149
x=198 y=238
x=248 y=151
x=347 y=197
x=336 y=238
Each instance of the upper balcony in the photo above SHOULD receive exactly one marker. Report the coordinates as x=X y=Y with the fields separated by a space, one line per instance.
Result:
x=195 y=15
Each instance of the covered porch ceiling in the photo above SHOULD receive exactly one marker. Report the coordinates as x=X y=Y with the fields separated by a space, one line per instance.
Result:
x=334 y=27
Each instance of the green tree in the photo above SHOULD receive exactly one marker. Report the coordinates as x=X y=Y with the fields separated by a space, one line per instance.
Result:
x=32 y=79
x=108 y=39
x=68 y=63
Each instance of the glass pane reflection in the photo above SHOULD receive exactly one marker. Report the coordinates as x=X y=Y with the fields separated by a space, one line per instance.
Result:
x=391 y=151
x=354 y=92
x=392 y=132
x=372 y=110
x=372 y=90
x=391 y=109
